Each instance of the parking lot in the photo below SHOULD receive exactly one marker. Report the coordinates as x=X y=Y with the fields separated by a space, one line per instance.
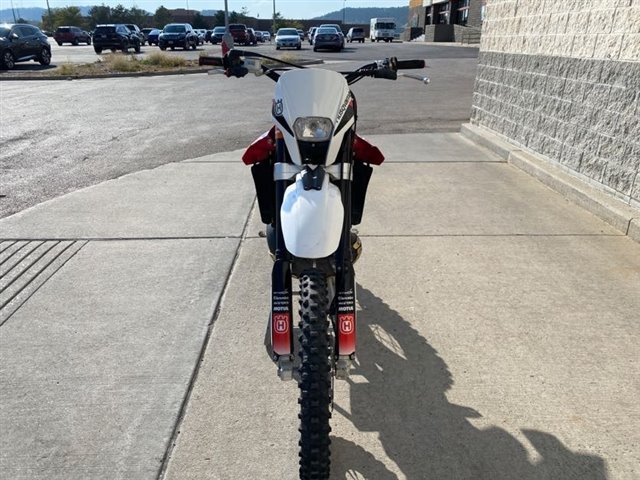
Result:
x=82 y=132
x=352 y=51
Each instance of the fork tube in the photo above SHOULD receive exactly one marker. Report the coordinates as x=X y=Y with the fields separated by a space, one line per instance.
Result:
x=345 y=275
x=281 y=301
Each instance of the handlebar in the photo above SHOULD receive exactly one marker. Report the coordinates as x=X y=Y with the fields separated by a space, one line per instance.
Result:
x=234 y=66
x=213 y=61
x=409 y=64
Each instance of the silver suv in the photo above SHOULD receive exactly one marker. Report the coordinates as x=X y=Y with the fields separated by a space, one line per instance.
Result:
x=355 y=34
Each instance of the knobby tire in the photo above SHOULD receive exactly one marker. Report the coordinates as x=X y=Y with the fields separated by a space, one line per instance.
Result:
x=315 y=377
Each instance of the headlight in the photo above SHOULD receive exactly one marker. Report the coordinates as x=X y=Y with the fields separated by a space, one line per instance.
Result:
x=313 y=129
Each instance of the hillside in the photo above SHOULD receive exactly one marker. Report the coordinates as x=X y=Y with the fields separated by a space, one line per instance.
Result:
x=352 y=15
x=363 y=15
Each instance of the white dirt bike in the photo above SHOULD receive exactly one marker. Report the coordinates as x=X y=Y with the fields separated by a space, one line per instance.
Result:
x=311 y=173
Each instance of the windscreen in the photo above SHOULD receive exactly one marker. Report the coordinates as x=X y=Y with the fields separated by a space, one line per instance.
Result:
x=287 y=31
x=174 y=29
x=386 y=25
x=105 y=29
x=326 y=31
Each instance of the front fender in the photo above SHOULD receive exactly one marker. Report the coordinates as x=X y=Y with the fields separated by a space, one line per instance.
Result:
x=312 y=219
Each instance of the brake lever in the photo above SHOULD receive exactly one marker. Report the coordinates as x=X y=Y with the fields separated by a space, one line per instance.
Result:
x=414 y=76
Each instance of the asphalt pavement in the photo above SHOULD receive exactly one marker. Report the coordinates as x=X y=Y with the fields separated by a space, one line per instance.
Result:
x=497 y=340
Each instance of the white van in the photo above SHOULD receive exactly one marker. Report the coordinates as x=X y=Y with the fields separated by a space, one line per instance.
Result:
x=382 y=29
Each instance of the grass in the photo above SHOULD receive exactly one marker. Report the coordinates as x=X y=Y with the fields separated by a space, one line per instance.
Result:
x=119 y=63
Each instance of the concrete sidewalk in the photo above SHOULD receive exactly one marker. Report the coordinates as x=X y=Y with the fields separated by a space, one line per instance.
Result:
x=498 y=333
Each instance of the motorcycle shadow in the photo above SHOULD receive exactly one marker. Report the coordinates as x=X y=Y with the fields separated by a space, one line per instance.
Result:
x=403 y=399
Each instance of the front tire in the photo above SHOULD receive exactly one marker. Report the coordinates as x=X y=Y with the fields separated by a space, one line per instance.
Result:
x=45 y=57
x=8 y=60
x=315 y=377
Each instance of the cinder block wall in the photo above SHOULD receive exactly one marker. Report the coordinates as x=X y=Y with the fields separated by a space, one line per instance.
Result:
x=562 y=78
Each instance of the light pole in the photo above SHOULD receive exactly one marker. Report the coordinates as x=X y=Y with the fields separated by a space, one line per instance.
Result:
x=344 y=11
x=227 y=39
x=50 y=26
x=274 y=17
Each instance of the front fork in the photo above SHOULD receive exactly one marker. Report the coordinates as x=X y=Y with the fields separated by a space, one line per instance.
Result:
x=345 y=297
x=343 y=309
x=281 y=292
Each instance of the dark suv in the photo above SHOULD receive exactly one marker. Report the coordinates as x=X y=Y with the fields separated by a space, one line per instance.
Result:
x=178 y=35
x=72 y=35
x=115 y=37
x=239 y=33
x=216 y=34
x=21 y=43
x=136 y=30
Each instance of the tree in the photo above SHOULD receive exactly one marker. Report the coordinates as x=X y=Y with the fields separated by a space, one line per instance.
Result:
x=138 y=16
x=98 y=15
x=63 y=16
x=243 y=15
x=162 y=17
x=219 y=18
x=119 y=14
x=199 y=21
x=284 y=23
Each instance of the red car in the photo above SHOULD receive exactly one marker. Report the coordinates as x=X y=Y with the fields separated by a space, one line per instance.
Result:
x=239 y=33
x=72 y=35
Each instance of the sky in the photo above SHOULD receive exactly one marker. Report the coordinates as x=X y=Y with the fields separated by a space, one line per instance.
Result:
x=257 y=8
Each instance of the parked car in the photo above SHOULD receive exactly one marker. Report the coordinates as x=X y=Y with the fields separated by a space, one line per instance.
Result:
x=20 y=43
x=337 y=27
x=137 y=32
x=152 y=36
x=216 y=35
x=178 y=35
x=301 y=33
x=115 y=36
x=146 y=32
x=239 y=33
x=200 y=32
x=266 y=36
x=327 y=38
x=288 y=38
x=312 y=32
x=72 y=35
x=259 y=36
x=251 y=36
x=355 y=34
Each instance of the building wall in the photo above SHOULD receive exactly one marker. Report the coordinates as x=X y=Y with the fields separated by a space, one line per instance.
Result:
x=562 y=78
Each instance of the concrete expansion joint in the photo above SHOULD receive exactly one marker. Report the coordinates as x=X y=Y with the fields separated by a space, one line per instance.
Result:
x=173 y=440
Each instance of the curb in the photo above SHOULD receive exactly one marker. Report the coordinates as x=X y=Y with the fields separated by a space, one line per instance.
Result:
x=128 y=74
x=105 y=75
x=616 y=213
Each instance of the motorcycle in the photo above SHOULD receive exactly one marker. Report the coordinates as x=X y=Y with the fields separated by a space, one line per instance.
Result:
x=311 y=172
